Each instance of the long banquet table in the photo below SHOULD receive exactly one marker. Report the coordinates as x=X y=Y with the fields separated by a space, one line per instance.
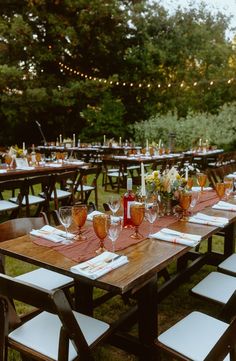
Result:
x=137 y=278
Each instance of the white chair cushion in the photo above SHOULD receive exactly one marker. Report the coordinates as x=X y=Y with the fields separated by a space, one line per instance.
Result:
x=116 y=174
x=61 y=194
x=7 y=206
x=216 y=286
x=42 y=333
x=32 y=200
x=229 y=264
x=44 y=278
x=194 y=336
x=85 y=188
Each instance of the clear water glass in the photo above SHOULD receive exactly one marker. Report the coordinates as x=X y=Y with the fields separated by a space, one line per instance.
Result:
x=65 y=216
x=114 y=230
x=114 y=204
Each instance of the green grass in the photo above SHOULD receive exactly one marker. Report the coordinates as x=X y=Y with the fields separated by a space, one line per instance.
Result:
x=171 y=309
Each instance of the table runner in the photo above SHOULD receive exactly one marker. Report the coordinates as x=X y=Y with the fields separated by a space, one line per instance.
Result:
x=80 y=251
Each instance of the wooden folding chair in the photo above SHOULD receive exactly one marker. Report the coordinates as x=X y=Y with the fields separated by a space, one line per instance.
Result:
x=62 y=190
x=8 y=207
x=86 y=183
x=115 y=174
x=57 y=333
x=41 y=277
x=200 y=337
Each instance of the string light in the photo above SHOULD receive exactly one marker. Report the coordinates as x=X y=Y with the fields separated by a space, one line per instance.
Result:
x=64 y=67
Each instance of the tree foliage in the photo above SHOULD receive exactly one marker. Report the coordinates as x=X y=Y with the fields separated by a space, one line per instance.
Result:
x=145 y=61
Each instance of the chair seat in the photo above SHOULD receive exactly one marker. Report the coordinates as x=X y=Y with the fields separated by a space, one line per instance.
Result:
x=42 y=333
x=32 y=200
x=86 y=188
x=61 y=194
x=46 y=279
x=228 y=265
x=194 y=336
x=116 y=174
x=7 y=206
x=216 y=286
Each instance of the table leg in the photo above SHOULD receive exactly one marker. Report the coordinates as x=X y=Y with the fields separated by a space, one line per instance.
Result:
x=83 y=298
x=148 y=319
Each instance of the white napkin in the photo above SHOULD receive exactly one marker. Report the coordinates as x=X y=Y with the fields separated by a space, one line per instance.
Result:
x=3 y=171
x=25 y=168
x=54 y=165
x=197 y=189
x=75 y=162
x=92 y=214
x=170 y=235
x=51 y=234
x=100 y=265
x=208 y=220
x=225 y=206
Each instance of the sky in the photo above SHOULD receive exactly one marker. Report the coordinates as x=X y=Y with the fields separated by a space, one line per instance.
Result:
x=227 y=7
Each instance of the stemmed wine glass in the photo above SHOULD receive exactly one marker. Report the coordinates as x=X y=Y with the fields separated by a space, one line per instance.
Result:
x=185 y=201
x=8 y=160
x=220 y=189
x=201 y=179
x=114 y=230
x=195 y=199
x=151 y=211
x=101 y=226
x=137 y=212
x=189 y=184
x=65 y=217
x=79 y=215
x=114 y=205
x=229 y=186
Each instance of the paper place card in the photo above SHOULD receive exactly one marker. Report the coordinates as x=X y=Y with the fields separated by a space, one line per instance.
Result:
x=170 y=235
x=225 y=206
x=52 y=234
x=100 y=265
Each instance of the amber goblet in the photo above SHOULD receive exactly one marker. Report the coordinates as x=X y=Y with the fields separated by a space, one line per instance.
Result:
x=79 y=216
x=137 y=213
x=201 y=179
x=220 y=189
x=185 y=199
x=38 y=158
x=101 y=224
x=8 y=160
x=189 y=184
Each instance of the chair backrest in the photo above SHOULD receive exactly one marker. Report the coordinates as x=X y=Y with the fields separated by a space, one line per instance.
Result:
x=65 y=181
x=87 y=176
x=51 y=301
x=18 y=227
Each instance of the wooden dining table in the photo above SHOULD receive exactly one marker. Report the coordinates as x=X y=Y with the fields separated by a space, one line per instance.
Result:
x=136 y=279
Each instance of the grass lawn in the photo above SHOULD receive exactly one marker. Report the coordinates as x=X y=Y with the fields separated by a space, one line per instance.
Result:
x=171 y=309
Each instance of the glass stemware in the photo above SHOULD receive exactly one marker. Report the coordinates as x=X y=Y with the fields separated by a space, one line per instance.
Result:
x=229 y=186
x=8 y=160
x=114 y=204
x=151 y=211
x=101 y=225
x=65 y=216
x=185 y=201
x=114 y=230
x=79 y=215
x=137 y=212
x=201 y=179
x=189 y=184
x=195 y=199
x=220 y=189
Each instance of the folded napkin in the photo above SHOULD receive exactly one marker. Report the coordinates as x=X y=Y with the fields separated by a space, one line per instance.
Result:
x=225 y=206
x=75 y=162
x=51 y=234
x=3 y=171
x=54 y=165
x=199 y=188
x=170 y=235
x=25 y=168
x=100 y=265
x=94 y=213
x=208 y=220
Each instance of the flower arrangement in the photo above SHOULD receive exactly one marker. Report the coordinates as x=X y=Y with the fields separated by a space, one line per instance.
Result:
x=166 y=183
x=15 y=151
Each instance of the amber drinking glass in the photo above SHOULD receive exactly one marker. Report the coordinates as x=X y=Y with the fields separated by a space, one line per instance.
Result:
x=185 y=201
x=220 y=189
x=189 y=184
x=79 y=216
x=8 y=160
x=101 y=224
x=137 y=213
x=201 y=179
x=38 y=158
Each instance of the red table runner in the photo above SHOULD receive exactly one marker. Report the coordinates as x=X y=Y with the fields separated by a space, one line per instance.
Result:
x=83 y=250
